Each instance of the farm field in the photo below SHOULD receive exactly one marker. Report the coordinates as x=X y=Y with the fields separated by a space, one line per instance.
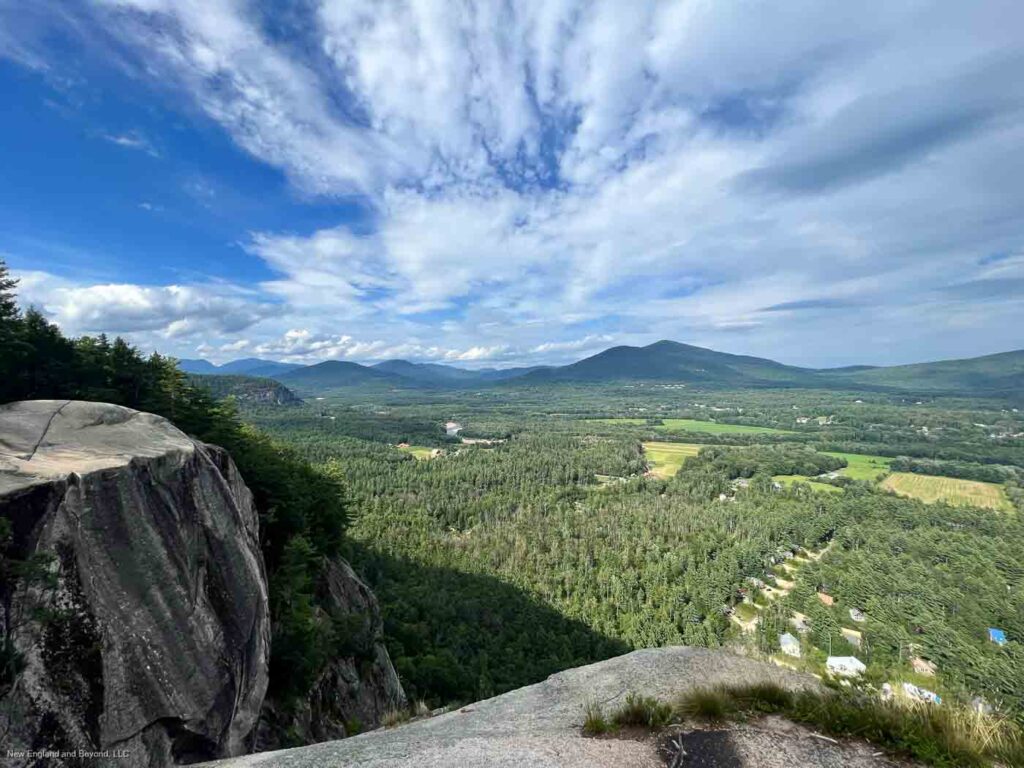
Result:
x=788 y=480
x=715 y=428
x=862 y=466
x=667 y=458
x=930 y=489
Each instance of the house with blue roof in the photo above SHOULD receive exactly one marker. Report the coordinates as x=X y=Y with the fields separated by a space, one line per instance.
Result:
x=997 y=636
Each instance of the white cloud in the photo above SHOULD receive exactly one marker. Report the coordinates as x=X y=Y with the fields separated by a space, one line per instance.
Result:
x=132 y=140
x=172 y=311
x=547 y=177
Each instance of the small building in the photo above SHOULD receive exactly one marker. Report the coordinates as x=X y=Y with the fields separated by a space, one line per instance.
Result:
x=921 y=694
x=923 y=666
x=826 y=598
x=997 y=636
x=857 y=615
x=790 y=645
x=452 y=428
x=403 y=445
x=852 y=636
x=845 y=666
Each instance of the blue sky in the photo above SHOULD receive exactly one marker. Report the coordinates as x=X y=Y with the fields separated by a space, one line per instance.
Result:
x=493 y=183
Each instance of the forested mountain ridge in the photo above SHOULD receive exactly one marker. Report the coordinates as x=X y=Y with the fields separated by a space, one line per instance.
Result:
x=663 y=361
x=1001 y=373
x=673 y=361
x=253 y=389
x=247 y=366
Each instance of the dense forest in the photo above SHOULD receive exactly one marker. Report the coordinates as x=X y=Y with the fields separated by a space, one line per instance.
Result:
x=641 y=561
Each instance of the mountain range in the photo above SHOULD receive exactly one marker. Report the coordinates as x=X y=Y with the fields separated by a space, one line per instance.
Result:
x=663 y=361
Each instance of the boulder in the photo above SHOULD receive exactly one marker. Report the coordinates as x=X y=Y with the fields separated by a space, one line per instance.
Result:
x=143 y=633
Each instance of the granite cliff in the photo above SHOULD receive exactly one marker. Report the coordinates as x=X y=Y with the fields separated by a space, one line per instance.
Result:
x=134 y=600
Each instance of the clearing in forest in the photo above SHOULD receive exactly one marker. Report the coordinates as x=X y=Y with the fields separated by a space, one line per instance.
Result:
x=952 y=490
x=788 y=480
x=665 y=459
x=863 y=466
x=713 y=427
x=419 y=451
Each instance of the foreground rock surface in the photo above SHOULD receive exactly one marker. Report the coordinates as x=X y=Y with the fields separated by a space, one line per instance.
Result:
x=156 y=649
x=540 y=726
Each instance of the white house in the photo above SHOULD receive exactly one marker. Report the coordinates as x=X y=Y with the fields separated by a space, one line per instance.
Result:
x=845 y=666
x=452 y=428
x=790 y=645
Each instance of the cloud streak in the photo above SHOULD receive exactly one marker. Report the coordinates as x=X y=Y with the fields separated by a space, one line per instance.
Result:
x=543 y=178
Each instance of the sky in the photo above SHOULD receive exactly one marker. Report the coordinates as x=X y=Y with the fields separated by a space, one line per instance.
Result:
x=503 y=182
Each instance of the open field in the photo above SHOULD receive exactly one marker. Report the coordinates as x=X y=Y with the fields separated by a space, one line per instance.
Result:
x=788 y=480
x=862 y=466
x=930 y=488
x=419 y=451
x=712 y=427
x=666 y=458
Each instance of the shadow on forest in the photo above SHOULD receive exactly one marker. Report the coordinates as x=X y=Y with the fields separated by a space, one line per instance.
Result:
x=456 y=636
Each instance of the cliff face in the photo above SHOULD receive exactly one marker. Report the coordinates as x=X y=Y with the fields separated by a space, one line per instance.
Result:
x=356 y=689
x=144 y=627
x=141 y=628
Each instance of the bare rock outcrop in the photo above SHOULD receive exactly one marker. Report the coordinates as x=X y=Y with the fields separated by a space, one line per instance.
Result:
x=540 y=726
x=143 y=632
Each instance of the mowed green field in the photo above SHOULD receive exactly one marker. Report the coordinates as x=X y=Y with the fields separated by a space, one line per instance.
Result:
x=712 y=427
x=788 y=480
x=862 y=466
x=419 y=451
x=953 y=490
x=665 y=459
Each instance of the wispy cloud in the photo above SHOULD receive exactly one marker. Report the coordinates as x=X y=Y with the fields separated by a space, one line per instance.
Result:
x=541 y=177
x=132 y=140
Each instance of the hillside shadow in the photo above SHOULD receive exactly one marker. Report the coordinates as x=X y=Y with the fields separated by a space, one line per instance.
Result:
x=459 y=637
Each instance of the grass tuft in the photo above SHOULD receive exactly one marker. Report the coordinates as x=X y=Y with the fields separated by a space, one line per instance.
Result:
x=594 y=721
x=644 y=711
x=937 y=735
x=706 y=704
x=944 y=736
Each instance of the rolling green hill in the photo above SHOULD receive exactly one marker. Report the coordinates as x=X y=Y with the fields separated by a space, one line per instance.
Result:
x=672 y=361
x=664 y=361
x=334 y=374
x=992 y=374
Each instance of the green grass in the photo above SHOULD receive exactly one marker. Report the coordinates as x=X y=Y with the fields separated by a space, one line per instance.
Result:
x=788 y=480
x=862 y=466
x=666 y=458
x=714 y=428
x=944 y=735
x=419 y=451
x=640 y=711
x=952 y=490
x=746 y=611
